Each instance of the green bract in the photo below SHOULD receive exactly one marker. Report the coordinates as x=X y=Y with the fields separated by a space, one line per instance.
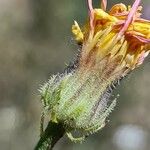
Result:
x=79 y=100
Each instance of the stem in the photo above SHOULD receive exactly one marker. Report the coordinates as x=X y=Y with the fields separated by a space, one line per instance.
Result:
x=50 y=137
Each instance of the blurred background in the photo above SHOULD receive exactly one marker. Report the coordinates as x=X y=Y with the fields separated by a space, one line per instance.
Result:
x=36 y=42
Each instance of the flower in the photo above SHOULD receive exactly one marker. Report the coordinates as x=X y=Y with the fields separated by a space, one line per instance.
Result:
x=120 y=33
x=112 y=44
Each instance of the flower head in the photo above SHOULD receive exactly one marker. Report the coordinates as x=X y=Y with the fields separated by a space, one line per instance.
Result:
x=113 y=43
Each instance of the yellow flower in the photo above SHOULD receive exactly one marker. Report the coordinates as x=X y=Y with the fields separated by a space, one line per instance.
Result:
x=120 y=34
x=112 y=44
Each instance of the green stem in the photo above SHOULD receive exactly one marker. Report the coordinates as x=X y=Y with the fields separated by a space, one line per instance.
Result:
x=50 y=137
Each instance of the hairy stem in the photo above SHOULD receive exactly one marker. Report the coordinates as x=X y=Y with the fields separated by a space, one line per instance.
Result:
x=50 y=137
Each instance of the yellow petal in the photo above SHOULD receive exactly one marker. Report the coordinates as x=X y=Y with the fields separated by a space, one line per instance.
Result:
x=77 y=32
